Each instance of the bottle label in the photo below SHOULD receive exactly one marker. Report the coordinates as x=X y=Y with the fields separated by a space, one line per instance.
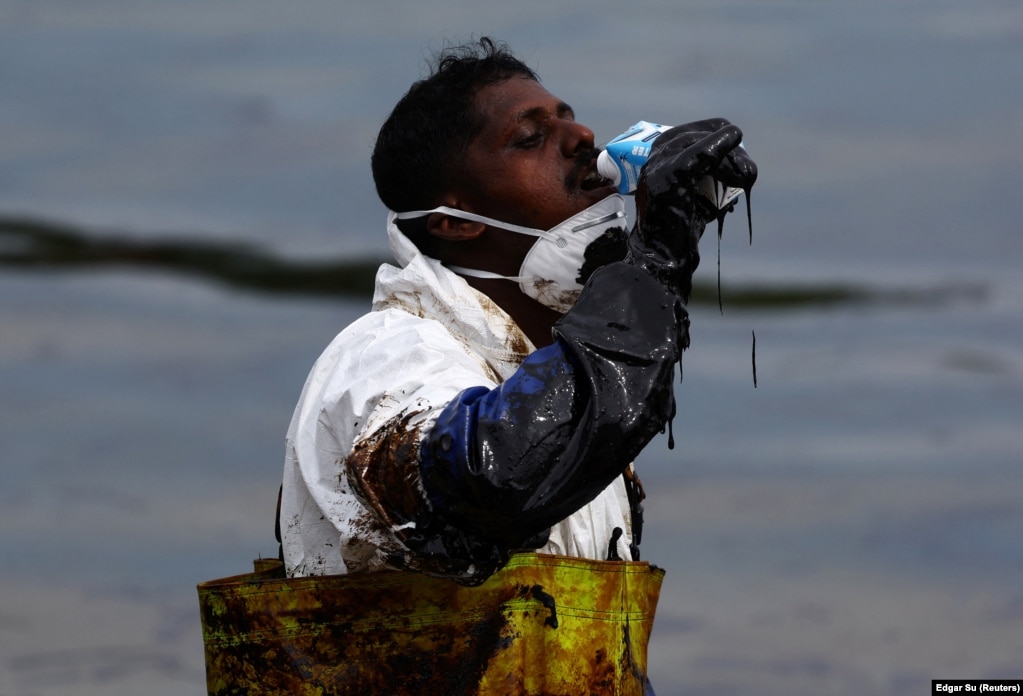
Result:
x=630 y=151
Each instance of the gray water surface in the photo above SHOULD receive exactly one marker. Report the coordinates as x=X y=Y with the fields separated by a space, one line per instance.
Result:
x=851 y=525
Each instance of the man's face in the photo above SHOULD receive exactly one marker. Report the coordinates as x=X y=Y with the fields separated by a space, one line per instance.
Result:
x=532 y=164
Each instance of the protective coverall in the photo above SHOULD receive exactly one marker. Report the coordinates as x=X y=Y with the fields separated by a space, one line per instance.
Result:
x=385 y=379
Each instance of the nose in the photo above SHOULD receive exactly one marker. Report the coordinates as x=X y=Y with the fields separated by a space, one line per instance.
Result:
x=577 y=138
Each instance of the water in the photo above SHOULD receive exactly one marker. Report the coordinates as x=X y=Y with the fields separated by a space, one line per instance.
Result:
x=850 y=525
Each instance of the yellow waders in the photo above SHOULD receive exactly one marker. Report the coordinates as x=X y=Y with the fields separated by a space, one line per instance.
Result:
x=541 y=625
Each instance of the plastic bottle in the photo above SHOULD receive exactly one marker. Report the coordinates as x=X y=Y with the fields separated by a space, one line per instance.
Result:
x=624 y=156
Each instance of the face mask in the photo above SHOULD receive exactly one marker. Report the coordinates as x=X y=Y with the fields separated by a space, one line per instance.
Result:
x=550 y=270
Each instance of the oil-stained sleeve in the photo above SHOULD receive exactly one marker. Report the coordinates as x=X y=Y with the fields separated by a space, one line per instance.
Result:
x=501 y=465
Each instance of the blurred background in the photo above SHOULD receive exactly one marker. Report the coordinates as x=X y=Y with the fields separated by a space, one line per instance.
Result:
x=187 y=218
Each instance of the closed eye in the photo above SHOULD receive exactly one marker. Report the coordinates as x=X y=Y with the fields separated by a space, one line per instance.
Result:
x=530 y=141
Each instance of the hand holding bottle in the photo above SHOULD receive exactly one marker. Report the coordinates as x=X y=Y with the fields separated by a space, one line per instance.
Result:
x=671 y=211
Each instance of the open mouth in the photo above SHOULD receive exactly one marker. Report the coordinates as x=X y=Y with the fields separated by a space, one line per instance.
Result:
x=593 y=180
x=584 y=176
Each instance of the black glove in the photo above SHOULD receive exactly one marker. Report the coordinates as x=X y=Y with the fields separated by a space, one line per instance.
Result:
x=671 y=212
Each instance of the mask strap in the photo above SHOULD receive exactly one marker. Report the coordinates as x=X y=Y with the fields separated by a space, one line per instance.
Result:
x=475 y=273
x=463 y=215
x=532 y=231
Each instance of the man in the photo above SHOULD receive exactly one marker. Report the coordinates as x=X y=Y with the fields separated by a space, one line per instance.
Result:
x=512 y=368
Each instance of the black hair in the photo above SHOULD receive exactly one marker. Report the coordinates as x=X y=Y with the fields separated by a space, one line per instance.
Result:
x=424 y=138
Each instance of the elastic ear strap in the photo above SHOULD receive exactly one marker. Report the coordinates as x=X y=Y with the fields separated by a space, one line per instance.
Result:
x=475 y=273
x=463 y=215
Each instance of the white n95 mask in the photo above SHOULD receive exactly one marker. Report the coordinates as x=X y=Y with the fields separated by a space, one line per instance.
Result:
x=550 y=271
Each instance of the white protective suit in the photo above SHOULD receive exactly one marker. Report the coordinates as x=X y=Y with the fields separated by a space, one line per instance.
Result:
x=430 y=336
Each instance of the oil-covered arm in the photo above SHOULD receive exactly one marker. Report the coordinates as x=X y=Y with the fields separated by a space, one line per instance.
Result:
x=501 y=465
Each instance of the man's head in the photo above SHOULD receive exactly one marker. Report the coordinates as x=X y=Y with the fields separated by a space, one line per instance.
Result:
x=482 y=135
x=424 y=139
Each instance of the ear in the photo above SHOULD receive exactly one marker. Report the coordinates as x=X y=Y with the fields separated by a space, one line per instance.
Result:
x=453 y=229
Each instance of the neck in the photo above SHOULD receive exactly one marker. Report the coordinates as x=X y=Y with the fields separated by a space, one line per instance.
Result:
x=535 y=320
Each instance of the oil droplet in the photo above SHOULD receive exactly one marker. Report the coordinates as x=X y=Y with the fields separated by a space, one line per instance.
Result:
x=754 y=359
x=749 y=214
